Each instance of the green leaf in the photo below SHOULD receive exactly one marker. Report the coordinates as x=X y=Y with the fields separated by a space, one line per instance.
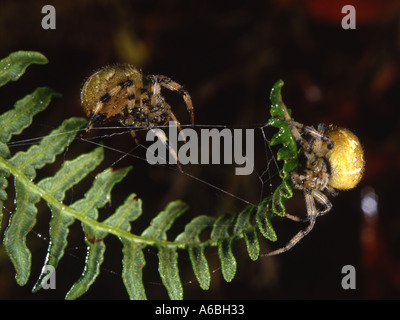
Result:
x=70 y=174
x=196 y=249
x=276 y=101
x=98 y=195
x=287 y=152
x=194 y=228
x=24 y=217
x=168 y=256
x=59 y=230
x=129 y=211
x=263 y=218
x=3 y=194
x=281 y=194
x=14 y=121
x=220 y=233
x=162 y=223
x=4 y=151
x=133 y=257
x=21 y=222
x=38 y=156
x=244 y=226
x=169 y=272
x=133 y=263
x=94 y=259
x=14 y=66
x=200 y=265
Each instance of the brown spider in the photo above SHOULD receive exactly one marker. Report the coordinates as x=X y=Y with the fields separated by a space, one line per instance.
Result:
x=334 y=161
x=121 y=92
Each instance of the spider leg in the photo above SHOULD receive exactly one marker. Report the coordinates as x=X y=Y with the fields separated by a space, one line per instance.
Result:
x=322 y=199
x=297 y=128
x=312 y=215
x=295 y=218
x=173 y=117
x=163 y=138
x=297 y=125
x=294 y=126
x=151 y=95
x=93 y=117
x=158 y=100
x=173 y=152
x=316 y=133
x=174 y=86
x=133 y=134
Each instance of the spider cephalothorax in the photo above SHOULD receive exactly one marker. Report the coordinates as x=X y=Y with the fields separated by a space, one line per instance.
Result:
x=121 y=92
x=334 y=160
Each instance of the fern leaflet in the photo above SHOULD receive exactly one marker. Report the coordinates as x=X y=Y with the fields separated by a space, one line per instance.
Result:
x=22 y=166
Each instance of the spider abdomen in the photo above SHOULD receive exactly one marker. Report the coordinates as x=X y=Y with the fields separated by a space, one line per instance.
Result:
x=106 y=86
x=346 y=159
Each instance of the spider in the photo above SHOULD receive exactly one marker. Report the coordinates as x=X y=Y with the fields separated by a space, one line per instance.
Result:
x=121 y=92
x=334 y=161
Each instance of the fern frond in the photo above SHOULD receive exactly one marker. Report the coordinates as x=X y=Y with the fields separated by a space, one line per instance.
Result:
x=244 y=226
x=17 y=119
x=288 y=152
x=14 y=66
x=196 y=249
x=24 y=164
x=133 y=263
x=221 y=235
x=167 y=255
x=224 y=230
x=71 y=173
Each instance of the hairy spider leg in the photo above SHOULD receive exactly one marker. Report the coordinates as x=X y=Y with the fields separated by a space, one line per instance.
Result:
x=295 y=218
x=152 y=95
x=168 y=83
x=322 y=199
x=317 y=137
x=296 y=126
x=312 y=215
x=172 y=150
x=172 y=116
x=158 y=99
x=163 y=138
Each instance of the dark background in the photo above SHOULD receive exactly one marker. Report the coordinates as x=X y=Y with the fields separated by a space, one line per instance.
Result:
x=228 y=55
